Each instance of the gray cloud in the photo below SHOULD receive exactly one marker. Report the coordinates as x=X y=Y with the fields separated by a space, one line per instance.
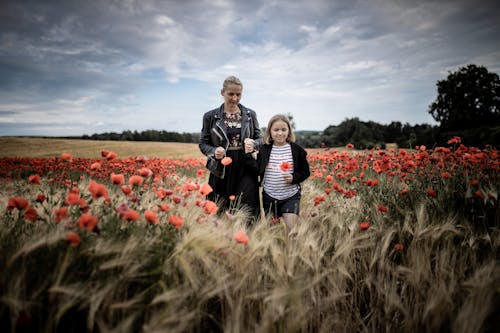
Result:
x=99 y=60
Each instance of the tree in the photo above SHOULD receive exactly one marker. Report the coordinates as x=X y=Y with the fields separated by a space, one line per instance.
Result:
x=467 y=99
x=292 y=121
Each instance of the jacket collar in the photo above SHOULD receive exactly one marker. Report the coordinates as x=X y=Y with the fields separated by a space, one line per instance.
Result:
x=244 y=111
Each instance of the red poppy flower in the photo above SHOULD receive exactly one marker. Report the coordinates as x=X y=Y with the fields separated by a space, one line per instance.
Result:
x=87 y=221
x=117 y=179
x=371 y=182
x=329 y=178
x=73 y=238
x=126 y=189
x=190 y=186
x=66 y=157
x=151 y=216
x=95 y=166
x=210 y=207
x=349 y=146
x=226 y=160
x=30 y=214
x=175 y=220
x=164 y=207
x=40 y=197
x=98 y=190
x=479 y=194
x=241 y=237
x=61 y=214
x=445 y=175
x=34 y=179
x=135 y=180
x=205 y=189
x=399 y=247
x=318 y=199
x=145 y=172
x=454 y=140
x=111 y=155
x=232 y=197
x=474 y=182
x=73 y=198
x=404 y=191
x=130 y=215
x=200 y=173
x=382 y=209
x=430 y=192
x=364 y=226
x=285 y=166
x=17 y=202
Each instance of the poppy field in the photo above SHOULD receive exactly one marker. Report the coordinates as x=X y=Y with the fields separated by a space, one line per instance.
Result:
x=387 y=240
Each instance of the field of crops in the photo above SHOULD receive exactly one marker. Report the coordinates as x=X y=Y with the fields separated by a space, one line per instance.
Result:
x=387 y=241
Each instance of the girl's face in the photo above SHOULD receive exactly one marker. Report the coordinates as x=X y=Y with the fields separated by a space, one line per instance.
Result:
x=279 y=132
x=232 y=94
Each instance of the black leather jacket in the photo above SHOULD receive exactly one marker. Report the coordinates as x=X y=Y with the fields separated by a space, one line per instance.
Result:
x=301 y=169
x=214 y=134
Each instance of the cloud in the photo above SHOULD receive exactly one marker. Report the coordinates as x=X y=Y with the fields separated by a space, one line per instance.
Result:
x=134 y=64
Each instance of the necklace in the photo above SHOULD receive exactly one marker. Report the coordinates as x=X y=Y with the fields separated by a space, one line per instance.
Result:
x=232 y=110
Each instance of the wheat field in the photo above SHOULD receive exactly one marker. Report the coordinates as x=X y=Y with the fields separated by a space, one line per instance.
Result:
x=50 y=147
x=362 y=258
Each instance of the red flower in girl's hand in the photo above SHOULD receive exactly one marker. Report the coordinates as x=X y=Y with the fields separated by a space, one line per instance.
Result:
x=285 y=166
x=226 y=160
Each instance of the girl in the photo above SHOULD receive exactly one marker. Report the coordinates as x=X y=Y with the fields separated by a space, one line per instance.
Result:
x=282 y=165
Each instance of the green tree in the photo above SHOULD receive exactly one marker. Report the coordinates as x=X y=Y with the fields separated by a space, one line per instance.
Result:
x=467 y=99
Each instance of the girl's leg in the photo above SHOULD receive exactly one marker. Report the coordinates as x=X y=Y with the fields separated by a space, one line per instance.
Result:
x=290 y=219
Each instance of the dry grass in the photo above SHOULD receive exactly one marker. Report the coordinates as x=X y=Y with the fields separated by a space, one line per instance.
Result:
x=49 y=147
x=327 y=276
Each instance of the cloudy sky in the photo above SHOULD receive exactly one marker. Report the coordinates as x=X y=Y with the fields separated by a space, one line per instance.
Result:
x=74 y=67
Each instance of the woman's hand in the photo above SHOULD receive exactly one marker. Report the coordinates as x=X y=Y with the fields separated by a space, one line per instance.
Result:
x=249 y=145
x=219 y=153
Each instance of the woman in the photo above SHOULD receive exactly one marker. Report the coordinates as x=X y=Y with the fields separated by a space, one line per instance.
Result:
x=282 y=165
x=231 y=130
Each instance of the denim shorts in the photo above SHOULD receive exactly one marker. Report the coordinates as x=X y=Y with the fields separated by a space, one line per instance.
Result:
x=278 y=207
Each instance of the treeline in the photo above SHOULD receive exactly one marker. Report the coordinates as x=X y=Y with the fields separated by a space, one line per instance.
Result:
x=148 y=135
x=367 y=135
x=363 y=135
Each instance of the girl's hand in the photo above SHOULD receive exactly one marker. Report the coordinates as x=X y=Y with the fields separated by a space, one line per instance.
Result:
x=288 y=178
x=219 y=153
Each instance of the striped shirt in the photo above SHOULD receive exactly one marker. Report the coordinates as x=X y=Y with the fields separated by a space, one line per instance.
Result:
x=273 y=183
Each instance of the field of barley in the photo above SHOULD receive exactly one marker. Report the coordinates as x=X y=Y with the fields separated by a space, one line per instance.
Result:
x=101 y=236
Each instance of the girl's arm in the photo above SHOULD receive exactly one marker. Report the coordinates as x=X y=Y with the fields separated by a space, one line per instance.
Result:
x=301 y=169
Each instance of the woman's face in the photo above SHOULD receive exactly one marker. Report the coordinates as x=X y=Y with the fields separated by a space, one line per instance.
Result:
x=279 y=132
x=232 y=95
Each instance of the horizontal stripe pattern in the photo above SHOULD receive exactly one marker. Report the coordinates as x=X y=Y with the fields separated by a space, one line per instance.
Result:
x=273 y=182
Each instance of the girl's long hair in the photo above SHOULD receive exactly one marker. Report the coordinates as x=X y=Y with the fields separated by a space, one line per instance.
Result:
x=267 y=135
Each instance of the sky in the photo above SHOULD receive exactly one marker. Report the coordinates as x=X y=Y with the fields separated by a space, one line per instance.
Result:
x=72 y=67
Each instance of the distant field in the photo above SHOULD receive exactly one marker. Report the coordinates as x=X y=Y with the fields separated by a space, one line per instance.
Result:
x=48 y=147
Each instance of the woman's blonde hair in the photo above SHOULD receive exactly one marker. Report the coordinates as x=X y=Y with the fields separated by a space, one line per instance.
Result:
x=231 y=80
x=267 y=135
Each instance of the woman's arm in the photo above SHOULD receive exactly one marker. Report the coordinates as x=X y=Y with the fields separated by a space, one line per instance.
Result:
x=256 y=135
x=206 y=145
